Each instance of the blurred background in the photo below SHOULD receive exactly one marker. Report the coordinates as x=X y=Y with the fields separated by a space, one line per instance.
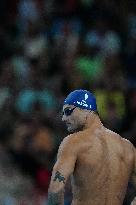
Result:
x=47 y=49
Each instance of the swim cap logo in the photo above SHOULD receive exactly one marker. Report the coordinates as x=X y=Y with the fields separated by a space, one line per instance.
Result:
x=82 y=99
x=83 y=102
x=86 y=96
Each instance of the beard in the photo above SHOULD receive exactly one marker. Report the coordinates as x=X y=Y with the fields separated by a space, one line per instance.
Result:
x=74 y=129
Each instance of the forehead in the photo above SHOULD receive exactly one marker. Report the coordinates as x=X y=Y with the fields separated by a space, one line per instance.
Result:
x=67 y=106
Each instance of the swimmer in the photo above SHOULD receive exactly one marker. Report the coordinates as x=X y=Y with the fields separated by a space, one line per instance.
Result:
x=98 y=161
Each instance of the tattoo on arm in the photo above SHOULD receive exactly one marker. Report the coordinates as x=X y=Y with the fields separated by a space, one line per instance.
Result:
x=55 y=198
x=59 y=176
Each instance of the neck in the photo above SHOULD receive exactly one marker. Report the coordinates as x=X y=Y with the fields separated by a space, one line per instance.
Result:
x=92 y=121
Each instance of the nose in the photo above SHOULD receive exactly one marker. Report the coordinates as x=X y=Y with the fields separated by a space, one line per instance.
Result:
x=63 y=118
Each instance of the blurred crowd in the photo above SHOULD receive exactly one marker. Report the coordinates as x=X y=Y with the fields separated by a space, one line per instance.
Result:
x=48 y=49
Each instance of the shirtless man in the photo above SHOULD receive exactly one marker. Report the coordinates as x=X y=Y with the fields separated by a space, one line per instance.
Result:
x=99 y=162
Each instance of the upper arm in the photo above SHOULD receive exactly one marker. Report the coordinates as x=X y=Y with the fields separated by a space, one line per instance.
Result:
x=64 y=166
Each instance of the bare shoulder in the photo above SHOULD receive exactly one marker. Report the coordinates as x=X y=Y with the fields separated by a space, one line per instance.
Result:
x=121 y=144
x=70 y=143
x=127 y=143
x=129 y=147
x=120 y=139
x=70 y=139
x=113 y=134
x=114 y=137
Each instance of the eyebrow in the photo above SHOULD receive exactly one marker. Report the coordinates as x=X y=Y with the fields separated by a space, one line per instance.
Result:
x=67 y=108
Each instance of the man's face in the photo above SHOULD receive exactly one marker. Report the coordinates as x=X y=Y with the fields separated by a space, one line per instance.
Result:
x=73 y=117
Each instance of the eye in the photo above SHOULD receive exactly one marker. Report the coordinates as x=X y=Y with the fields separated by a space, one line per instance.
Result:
x=68 y=111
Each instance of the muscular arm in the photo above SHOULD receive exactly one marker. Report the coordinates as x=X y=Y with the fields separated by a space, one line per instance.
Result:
x=56 y=193
x=62 y=170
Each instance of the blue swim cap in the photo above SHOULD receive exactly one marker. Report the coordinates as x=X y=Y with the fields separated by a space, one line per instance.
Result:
x=82 y=99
